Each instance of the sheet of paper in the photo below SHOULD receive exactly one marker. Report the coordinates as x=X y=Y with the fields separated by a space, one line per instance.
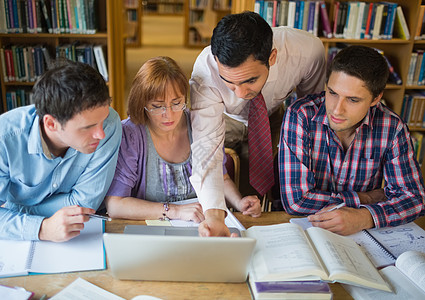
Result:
x=14 y=293
x=81 y=289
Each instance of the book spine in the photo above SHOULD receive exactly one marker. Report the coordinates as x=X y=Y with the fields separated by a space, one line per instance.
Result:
x=25 y=54
x=403 y=23
x=3 y=17
x=325 y=20
x=384 y=22
x=46 y=16
x=311 y=12
x=18 y=16
x=100 y=61
x=3 y=65
x=15 y=63
x=9 y=64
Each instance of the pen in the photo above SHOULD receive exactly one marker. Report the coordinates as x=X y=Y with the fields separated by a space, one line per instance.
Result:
x=100 y=217
x=336 y=207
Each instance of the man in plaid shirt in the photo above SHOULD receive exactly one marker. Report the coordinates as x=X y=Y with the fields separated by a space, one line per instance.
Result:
x=338 y=146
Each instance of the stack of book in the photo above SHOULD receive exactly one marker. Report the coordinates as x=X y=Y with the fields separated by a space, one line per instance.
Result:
x=53 y=16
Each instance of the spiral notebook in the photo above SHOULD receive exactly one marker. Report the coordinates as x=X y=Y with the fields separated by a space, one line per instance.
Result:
x=384 y=245
x=84 y=252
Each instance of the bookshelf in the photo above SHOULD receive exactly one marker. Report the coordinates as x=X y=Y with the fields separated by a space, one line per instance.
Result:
x=163 y=7
x=397 y=50
x=109 y=34
x=133 y=15
x=201 y=16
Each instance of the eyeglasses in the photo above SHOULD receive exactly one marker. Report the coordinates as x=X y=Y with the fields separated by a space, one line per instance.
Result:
x=163 y=109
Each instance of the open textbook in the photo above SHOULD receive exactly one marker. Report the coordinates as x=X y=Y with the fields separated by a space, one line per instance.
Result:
x=84 y=252
x=384 y=245
x=287 y=252
x=407 y=279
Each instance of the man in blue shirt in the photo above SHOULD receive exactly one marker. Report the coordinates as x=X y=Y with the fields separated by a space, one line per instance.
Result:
x=57 y=158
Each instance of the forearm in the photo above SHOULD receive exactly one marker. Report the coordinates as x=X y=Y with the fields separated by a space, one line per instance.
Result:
x=19 y=226
x=309 y=202
x=231 y=193
x=133 y=209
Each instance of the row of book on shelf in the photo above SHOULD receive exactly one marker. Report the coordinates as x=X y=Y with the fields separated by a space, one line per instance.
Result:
x=413 y=114
x=351 y=20
x=415 y=75
x=52 y=16
x=18 y=97
x=27 y=63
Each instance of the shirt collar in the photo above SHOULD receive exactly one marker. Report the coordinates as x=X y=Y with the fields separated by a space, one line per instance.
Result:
x=35 y=137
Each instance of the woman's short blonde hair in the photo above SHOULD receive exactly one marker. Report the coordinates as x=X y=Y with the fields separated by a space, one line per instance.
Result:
x=151 y=82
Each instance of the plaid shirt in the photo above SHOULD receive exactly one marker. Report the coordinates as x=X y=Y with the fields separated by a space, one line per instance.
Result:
x=315 y=171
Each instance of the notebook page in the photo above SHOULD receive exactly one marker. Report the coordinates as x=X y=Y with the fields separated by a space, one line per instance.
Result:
x=84 y=252
x=401 y=238
x=13 y=257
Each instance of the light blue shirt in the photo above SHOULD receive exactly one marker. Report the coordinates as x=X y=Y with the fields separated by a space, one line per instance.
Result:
x=33 y=187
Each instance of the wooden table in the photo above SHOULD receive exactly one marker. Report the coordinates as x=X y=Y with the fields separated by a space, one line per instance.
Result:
x=51 y=284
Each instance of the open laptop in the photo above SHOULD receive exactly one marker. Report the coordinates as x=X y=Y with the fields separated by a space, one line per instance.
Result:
x=151 y=253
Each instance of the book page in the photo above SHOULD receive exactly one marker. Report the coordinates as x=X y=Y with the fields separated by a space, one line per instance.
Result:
x=344 y=259
x=401 y=238
x=402 y=287
x=370 y=247
x=412 y=264
x=13 y=257
x=84 y=252
x=283 y=252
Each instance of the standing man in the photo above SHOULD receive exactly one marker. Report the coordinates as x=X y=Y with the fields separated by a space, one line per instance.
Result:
x=338 y=146
x=242 y=78
x=57 y=158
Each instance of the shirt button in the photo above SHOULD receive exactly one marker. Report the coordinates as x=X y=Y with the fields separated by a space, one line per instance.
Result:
x=55 y=185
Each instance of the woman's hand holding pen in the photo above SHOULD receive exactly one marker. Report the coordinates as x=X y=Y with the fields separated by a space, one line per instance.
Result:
x=65 y=224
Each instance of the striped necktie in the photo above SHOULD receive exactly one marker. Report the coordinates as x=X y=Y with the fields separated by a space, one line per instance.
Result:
x=261 y=176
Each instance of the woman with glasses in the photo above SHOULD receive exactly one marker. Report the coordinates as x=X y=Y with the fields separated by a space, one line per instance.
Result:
x=154 y=162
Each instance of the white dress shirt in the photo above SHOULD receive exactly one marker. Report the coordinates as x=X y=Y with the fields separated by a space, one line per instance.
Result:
x=300 y=65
